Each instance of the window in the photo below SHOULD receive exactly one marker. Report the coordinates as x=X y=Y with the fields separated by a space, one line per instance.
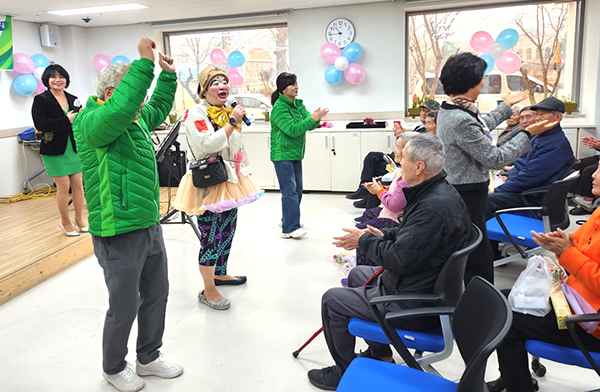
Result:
x=266 y=56
x=433 y=36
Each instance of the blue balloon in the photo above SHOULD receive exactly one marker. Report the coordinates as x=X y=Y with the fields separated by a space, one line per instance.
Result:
x=119 y=59
x=332 y=75
x=508 y=38
x=25 y=84
x=40 y=61
x=353 y=52
x=236 y=59
x=490 y=61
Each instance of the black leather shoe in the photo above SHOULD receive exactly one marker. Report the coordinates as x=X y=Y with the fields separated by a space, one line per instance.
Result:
x=358 y=194
x=496 y=385
x=231 y=282
x=579 y=210
x=327 y=378
x=362 y=203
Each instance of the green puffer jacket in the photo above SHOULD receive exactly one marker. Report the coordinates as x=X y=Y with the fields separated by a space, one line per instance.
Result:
x=117 y=153
x=289 y=123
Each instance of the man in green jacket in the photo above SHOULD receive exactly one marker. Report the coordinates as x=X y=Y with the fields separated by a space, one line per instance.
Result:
x=122 y=194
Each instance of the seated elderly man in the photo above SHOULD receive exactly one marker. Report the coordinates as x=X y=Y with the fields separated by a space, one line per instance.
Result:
x=524 y=117
x=431 y=122
x=549 y=157
x=435 y=225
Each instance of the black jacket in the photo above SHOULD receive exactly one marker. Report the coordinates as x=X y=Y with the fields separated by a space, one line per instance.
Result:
x=55 y=126
x=435 y=225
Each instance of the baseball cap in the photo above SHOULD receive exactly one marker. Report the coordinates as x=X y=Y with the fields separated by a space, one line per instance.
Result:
x=551 y=104
x=431 y=104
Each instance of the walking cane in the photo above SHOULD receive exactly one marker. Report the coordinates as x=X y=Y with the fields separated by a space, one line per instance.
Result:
x=297 y=352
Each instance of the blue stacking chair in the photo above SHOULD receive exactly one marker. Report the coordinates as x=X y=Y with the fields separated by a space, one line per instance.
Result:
x=513 y=225
x=447 y=290
x=481 y=320
x=577 y=357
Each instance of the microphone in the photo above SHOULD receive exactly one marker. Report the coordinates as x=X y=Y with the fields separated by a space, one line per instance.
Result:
x=232 y=101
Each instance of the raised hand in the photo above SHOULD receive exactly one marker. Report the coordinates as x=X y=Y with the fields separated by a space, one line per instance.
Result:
x=515 y=97
x=238 y=113
x=166 y=62
x=350 y=240
x=591 y=142
x=146 y=49
x=318 y=114
x=541 y=127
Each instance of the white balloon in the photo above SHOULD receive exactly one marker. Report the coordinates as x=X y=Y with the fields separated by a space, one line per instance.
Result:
x=38 y=72
x=497 y=50
x=341 y=63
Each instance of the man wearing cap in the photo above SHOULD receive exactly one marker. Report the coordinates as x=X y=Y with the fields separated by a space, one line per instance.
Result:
x=549 y=157
x=429 y=106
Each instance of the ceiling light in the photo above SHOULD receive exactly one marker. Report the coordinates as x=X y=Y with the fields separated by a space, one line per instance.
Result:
x=100 y=9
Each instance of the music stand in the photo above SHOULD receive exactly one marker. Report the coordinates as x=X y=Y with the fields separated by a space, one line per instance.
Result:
x=165 y=146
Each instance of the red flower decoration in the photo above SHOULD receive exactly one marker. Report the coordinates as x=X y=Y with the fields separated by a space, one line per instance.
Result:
x=201 y=125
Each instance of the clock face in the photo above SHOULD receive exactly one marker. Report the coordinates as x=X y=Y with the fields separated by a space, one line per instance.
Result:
x=340 y=31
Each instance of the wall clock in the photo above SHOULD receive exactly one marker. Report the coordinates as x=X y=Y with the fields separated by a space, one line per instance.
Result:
x=340 y=31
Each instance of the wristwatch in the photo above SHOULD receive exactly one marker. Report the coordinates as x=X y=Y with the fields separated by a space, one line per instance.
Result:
x=233 y=122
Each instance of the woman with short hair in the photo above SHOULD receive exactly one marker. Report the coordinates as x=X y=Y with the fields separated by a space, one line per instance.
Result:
x=53 y=112
x=470 y=154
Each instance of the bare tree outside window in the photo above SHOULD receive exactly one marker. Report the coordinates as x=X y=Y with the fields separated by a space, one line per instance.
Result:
x=547 y=42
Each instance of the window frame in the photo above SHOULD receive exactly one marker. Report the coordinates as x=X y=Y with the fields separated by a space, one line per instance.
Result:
x=578 y=39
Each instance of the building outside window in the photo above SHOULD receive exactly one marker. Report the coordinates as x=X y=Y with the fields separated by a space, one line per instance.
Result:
x=547 y=36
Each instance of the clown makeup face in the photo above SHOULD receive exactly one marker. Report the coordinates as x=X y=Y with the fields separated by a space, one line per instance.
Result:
x=217 y=91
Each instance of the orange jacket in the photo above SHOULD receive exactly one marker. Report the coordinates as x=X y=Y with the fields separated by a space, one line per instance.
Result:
x=583 y=262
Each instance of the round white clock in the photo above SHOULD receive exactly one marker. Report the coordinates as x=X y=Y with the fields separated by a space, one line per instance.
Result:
x=340 y=31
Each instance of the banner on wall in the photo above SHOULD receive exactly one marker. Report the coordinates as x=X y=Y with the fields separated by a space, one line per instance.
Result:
x=6 y=45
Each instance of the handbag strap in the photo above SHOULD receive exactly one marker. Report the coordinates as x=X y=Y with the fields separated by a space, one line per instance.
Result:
x=215 y=128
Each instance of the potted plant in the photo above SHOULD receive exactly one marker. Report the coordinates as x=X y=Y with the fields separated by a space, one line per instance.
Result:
x=417 y=102
x=266 y=113
x=173 y=117
x=570 y=106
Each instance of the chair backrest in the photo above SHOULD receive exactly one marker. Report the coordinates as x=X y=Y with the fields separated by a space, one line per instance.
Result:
x=449 y=284
x=555 y=201
x=481 y=321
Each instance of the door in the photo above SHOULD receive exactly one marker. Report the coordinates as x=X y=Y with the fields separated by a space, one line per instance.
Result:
x=376 y=141
x=346 y=161
x=316 y=170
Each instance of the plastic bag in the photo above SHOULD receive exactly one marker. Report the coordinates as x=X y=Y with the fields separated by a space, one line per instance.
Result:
x=531 y=292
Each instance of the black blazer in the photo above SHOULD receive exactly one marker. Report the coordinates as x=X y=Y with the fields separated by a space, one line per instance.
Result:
x=55 y=126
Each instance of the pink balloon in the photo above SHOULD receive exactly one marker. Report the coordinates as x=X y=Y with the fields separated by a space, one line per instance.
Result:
x=40 y=88
x=355 y=73
x=235 y=77
x=330 y=52
x=23 y=64
x=101 y=61
x=481 y=41
x=509 y=62
x=218 y=56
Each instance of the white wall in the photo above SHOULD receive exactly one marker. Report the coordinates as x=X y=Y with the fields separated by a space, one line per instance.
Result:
x=379 y=30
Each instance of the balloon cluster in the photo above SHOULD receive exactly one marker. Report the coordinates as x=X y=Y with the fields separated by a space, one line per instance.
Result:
x=496 y=53
x=102 y=61
x=31 y=70
x=343 y=63
x=229 y=64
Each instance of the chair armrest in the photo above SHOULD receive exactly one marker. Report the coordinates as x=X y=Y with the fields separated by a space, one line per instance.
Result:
x=405 y=297
x=570 y=321
x=582 y=318
x=542 y=210
x=391 y=333
x=535 y=191
x=508 y=210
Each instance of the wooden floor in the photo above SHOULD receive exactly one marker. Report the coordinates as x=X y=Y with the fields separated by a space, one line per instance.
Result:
x=33 y=247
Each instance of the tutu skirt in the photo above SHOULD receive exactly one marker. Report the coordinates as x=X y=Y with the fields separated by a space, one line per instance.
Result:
x=217 y=198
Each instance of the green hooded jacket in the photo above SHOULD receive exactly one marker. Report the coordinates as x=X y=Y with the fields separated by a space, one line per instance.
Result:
x=289 y=122
x=117 y=153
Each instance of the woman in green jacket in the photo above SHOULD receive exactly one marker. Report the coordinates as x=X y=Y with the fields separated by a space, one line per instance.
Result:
x=289 y=123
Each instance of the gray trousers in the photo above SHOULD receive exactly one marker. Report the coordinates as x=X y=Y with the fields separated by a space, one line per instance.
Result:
x=340 y=304
x=135 y=271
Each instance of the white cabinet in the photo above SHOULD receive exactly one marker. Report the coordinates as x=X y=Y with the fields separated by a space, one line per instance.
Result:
x=332 y=161
x=258 y=146
x=383 y=141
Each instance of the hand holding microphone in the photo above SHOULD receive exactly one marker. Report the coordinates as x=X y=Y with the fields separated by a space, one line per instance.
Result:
x=239 y=113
